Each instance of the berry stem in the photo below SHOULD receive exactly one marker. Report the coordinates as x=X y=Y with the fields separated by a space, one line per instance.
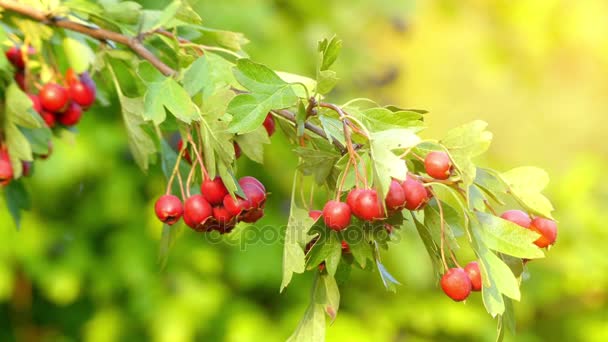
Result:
x=175 y=171
x=442 y=224
x=341 y=185
x=189 y=180
x=453 y=256
x=204 y=173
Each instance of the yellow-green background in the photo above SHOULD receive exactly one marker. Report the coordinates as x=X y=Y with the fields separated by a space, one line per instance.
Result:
x=84 y=265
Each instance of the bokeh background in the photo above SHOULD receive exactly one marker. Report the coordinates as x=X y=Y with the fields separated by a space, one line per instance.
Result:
x=84 y=265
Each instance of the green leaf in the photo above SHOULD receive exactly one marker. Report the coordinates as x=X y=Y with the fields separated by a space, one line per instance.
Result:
x=464 y=143
x=387 y=279
x=328 y=295
x=386 y=164
x=250 y=110
x=326 y=81
x=167 y=240
x=432 y=221
x=79 y=54
x=312 y=325
x=17 y=200
x=358 y=244
x=329 y=51
x=207 y=74
x=507 y=237
x=125 y=12
x=430 y=245
x=170 y=95
x=252 y=144
x=298 y=83
x=380 y=119
x=297 y=228
x=526 y=184
x=257 y=78
x=231 y=40
x=316 y=162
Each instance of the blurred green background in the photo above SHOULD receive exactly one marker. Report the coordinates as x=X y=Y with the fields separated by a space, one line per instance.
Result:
x=84 y=265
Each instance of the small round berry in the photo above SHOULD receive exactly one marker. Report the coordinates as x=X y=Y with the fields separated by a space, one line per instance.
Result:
x=6 y=169
x=269 y=124
x=547 y=230
x=214 y=190
x=367 y=207
x=351 y=199
x=221 y=214
x=196 y=211
x=472 y=270
x=315 y=214
x=53 y=97
x=438 y=165
x=395 y=199
x=236 y=205
x=336 y=215
x=518 y=217
x=456 y=284
x=416 y=194
x=71 y=116
x=81 y=94
x=169 y=209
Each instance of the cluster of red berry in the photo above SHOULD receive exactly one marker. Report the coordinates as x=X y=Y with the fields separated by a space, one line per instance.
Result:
x=6 y=169
x=409 y=194
x=56 y=103
x=215 y=208
x=458 y=283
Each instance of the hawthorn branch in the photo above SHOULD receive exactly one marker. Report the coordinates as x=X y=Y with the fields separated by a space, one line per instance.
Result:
x=133 y=43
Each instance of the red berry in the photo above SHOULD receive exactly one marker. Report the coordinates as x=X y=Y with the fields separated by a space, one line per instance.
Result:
x=395 y=199
x=196 y=211
x=27 y=168
x=6 y=169
x=214 y=190
x=252 y=180
x=71 y=77
x=20 y=79
x=253 y=216
x=53 y=97
x=35 y=103
x=221 y=214
x=351 y=199
x=269 y=124
x=237 y=150
x=169 y=209
x=547 y=230
x=472 y=270
x=236 y=205
x=518 y=217
x=315 y=214
x=336 y=215
x=416 y=194
x=186 y=155
x=81 y=94
x=49 y=118
x=438 y=165
x=71 y=116
x=15 y=56
x=456 y=284
x=367 y=207
x=345 y=247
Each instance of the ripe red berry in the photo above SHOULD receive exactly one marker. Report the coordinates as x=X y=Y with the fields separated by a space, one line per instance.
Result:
x=253 y=216
x=15 y=56
x=236 y=205
x=351 y=199
x=221 y=214
x=547 y=230
x=315 y=214
x=169 y=209
x=196 y=211
x=518 y=217
x=6 y=169
x=71 y=116
x=81 y=94
x=336 y=215
x=367 y=207
x=71 y=77
x=438 y=165
x=237 y=150
x=345 y=247
x=27 y=168
x=49 y=118
x=252 y=180
x=416 y=194
x=35 y=103
x=395 y=199
x=53 y=97
x=20 y=79
x=214 y=190
x=456 y=284
x=269 y=124
x=254 y=191
x=472 y=270
x=186 y=155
